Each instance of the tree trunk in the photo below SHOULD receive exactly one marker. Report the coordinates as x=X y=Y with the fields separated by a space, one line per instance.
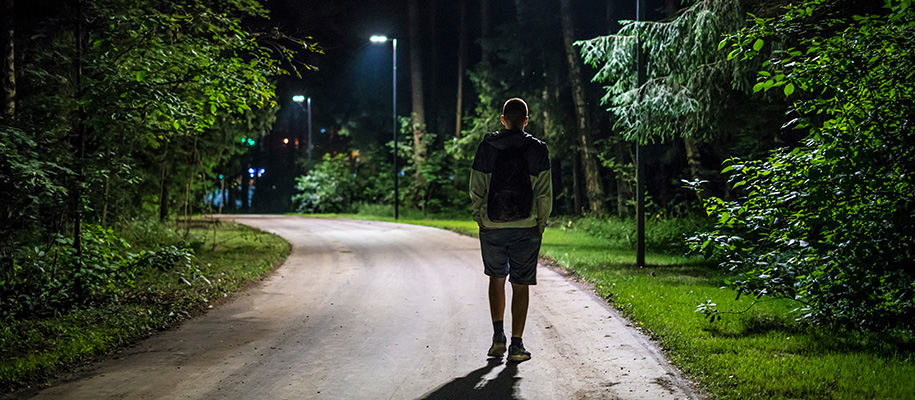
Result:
x=593 y=184
x=245 y=187
x=577 y=200
x=613 y=25
x=693 y=161
x=164 y=183
x=416 y=79
x=485 y=20
x=462 y=55
x=671 y=7
x=81 y=127
x=9 y=60
x=434 y=80
x=623 y=187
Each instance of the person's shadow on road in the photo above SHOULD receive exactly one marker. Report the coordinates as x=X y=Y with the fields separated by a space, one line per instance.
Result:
x=471 y=386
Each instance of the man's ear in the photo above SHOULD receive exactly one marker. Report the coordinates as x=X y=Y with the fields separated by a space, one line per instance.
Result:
x=502 y=118
x=525 y=120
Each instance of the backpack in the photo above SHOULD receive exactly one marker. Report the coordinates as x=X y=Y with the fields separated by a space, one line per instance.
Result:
x=510 y=191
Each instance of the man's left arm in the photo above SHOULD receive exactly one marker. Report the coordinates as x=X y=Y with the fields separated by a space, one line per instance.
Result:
x=543 y=191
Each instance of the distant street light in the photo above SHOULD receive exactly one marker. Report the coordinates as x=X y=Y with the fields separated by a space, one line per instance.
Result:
x=382 y=39
x=299 y=99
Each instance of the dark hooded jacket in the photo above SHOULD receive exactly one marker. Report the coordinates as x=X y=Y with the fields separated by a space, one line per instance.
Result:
x=538 y=162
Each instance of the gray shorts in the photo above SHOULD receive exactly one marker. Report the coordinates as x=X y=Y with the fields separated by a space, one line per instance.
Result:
x=511 y=252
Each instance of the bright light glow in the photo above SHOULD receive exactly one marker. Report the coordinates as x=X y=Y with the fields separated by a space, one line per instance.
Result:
x=298 y=98
x=379 y=39
x=251 y=172
x=285 y=140
x=261 y=172
x=323 y=130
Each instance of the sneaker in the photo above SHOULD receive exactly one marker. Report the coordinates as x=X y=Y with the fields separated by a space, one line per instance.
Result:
x=498 y=346
x=517 y=353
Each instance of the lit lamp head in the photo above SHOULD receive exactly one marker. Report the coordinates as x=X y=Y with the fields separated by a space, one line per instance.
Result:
x=298 y=98
x=379 y=39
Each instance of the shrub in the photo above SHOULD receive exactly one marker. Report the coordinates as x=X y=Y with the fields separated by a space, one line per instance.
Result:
x=54 y=279
x=664 y=235
x=830 y=224
x=328 y=188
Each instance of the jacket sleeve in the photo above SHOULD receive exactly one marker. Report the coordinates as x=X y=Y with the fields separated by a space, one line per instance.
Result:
x=543 y=192
x=479 y=188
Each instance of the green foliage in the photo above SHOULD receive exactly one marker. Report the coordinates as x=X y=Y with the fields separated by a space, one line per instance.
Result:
x=329 y=187
x=662 y=235
x=30 y=182
x=688 y=84
x=45 y=280
x=830 y=223
x=35 y=348
x=170 y=67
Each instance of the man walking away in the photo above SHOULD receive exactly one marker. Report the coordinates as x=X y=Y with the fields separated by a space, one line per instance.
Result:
x=512 y=196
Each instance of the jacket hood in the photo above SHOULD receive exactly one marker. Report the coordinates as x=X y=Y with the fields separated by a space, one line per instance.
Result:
x=507 y=138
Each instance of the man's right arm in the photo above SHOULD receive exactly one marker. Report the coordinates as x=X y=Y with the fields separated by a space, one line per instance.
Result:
x=543 y=190
x=477 y=195
x=478 y=188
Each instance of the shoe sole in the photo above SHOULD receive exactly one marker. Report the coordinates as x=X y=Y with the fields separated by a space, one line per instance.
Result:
x=519 y=357
x=497 y=350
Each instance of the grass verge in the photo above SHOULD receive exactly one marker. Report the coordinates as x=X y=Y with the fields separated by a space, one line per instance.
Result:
x=757 y=351
x=237 y=254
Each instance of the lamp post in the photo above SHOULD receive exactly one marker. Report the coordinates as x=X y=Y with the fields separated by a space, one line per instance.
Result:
x=639 y=151
x=299 y=99
x=382 y=39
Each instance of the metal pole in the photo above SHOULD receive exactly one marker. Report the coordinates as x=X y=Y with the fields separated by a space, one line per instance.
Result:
x=309 y=132
x=394 y=100
x=639 y=156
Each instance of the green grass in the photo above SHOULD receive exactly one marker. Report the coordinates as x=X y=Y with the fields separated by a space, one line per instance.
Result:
x=757 y=352
x=34 y=349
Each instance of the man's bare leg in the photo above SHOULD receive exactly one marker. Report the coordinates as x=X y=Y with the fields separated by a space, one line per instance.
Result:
x=497 y=311
x=520 y=300
x=497 y=298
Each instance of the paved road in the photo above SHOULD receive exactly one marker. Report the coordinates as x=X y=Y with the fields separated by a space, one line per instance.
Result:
x=373 y=310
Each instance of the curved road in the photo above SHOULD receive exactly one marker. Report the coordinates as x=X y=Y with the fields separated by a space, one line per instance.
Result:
x=374 y=310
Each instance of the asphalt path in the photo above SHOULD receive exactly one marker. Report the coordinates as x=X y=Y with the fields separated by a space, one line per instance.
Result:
x=375 y=310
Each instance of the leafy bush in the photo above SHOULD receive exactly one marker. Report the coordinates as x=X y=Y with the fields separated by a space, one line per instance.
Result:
x=147 y=232
x=664 y=235
x=56 y=279
x=30 y=184
x=329 y=187
x=830 y=224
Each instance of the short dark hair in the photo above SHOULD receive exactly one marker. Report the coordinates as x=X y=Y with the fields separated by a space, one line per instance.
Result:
x=515 y=112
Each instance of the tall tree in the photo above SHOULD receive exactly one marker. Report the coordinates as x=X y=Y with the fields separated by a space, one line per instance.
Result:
x=485 y=31
x=9 y=59
x=594 y=187
x=622 y=158
x=416 y=80
x=691 y=93
x=462 y=57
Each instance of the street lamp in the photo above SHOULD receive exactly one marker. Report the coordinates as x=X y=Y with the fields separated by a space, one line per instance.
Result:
x=383 y=39
x=640 y=178
x=299 y=99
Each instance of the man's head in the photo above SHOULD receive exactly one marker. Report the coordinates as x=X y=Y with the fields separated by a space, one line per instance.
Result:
x=514 y=113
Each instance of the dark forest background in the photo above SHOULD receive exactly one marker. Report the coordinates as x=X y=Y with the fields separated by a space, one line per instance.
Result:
x=777 y=137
